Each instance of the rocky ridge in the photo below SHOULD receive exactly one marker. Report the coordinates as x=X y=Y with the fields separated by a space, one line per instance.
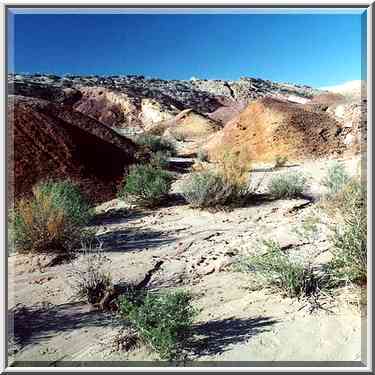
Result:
x=136 y=101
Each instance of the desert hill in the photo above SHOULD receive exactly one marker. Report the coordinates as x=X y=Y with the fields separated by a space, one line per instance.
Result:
x=272 y=127
x=54 y=141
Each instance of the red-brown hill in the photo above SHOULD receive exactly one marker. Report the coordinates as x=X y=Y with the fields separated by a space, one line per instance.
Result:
x=50 y=140
x=270 y=127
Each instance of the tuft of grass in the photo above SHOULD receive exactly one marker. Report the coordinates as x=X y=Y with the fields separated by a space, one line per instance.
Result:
x=349 y=238
x=293 y=278
x=51 y=220
x=289 y=185
x=336 y=178
x=163 y=320
x=146 y=185
x=89 y=277
x=156 y=143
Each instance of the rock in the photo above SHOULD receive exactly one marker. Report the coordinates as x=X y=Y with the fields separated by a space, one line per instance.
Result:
x=206 y=270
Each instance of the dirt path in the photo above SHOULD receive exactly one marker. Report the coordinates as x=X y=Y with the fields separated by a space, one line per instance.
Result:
x=200 y=248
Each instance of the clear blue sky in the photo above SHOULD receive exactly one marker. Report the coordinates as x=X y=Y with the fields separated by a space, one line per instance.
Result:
x=313 y=49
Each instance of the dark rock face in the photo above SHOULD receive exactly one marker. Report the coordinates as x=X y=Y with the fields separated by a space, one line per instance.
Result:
x=47 y=140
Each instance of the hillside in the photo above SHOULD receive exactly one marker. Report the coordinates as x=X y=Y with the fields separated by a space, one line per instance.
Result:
x=271 y=127
x=52 y=141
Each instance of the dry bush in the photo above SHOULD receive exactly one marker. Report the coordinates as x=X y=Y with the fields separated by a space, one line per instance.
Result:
x=39 y=225
x=235 y=166
x=89 y=277
x=180 y=134
x=156 y=143
x=202 y=155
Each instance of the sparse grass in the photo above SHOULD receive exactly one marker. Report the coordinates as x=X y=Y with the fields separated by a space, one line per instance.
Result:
x=349 y=263
x=345 y=203
x=89 y=276
x=336 y=178
x=163 y=320
x=146 y=185
x=309 y=229
x=156 y=143
x=50 y=221
x=293 y=278
x=289 y=185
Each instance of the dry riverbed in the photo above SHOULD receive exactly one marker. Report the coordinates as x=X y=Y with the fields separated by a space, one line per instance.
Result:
x=201 y=250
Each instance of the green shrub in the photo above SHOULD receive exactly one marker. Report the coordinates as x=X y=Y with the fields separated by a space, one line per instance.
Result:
x=293 y=278
x=164 y=321
x=210 y=189
x=48 y=222
x=288 y=185
x=67 y=195
x=146 y=185
x=156 y=143
x=336 y=178
x=349 y=239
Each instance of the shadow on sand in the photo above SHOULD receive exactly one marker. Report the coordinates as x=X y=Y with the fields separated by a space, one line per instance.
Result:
x=133 y=239
x=36 y=323
x=216 y=336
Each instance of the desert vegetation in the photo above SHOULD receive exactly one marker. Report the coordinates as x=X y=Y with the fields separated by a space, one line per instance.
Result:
x=51 y=220
x=89 y=275
x=156 y=143
x=346 y=202
x=225 y=185
x=152 y=265
x=146 y=185
x=280 y=161
x=291 y=277
x=163 y=320
x=284 y=186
